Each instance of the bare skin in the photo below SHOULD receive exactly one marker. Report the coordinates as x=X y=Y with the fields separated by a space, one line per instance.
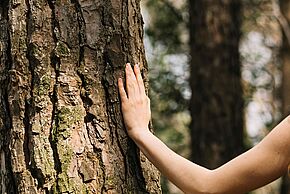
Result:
x=260 y=165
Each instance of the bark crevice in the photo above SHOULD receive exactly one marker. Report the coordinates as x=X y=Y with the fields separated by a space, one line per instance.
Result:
x=82 y=25
x=54 y=120
x=7 y=124
x=55 y=63
x=29 y=106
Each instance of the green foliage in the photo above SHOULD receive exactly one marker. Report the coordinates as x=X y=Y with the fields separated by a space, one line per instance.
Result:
x=259 y=49
x=167 y=93
x=169 y=104
x=167 y=24
x=166 y=32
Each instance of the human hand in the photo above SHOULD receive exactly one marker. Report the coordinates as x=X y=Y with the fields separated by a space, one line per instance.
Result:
x=135 y=102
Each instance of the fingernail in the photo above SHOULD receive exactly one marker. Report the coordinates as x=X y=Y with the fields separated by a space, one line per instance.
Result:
x=137 y=65
x=128 y=65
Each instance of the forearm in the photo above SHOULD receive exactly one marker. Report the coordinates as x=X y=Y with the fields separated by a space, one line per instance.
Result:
x=242 y=174
x=186 y=175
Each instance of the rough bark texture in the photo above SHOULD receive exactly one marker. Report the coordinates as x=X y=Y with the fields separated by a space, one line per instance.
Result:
x=216 y=103
x=61 y=128
x=285 y=55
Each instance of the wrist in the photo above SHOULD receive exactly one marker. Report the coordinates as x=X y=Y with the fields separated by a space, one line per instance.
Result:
x=138 y=133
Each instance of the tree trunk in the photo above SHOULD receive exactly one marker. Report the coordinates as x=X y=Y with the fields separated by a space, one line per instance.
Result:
x=285 y=55
x=61 y=126
x=216 y=103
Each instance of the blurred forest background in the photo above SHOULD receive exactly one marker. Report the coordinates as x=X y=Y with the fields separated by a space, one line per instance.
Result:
x=224 y=64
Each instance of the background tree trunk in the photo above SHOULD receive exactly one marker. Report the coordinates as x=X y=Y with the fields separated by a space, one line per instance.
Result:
x=61 y=126
x=285 y=55
x=216 y=103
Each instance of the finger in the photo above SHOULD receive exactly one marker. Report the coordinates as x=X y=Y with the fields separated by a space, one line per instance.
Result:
x=139 y=79
x=122 y=91
x=131 y=82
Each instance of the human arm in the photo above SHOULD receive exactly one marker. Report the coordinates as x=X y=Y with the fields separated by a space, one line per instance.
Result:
x=260 y=165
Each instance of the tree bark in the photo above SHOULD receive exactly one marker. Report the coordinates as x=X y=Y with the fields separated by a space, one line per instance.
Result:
x=217 y=102
x=285 y=56
x=61 y=125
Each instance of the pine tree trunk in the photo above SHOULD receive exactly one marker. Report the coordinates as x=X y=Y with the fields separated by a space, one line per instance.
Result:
x=285 y=55
x=61 y=128
x=216 y=103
